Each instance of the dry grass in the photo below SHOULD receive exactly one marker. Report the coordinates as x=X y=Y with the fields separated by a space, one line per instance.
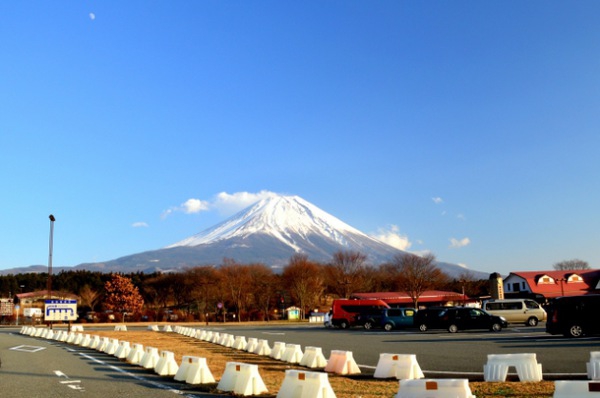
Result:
x=273 y=371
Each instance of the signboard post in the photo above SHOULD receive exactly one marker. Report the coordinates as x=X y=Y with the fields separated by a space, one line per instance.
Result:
x=60 y=310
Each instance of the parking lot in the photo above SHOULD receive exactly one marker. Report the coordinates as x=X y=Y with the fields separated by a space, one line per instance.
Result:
x=438 y=352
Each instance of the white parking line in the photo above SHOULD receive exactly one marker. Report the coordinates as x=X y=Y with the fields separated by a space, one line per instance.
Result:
x=139 y=378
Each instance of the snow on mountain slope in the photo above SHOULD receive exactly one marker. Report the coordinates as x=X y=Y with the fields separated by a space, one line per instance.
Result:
x=290 y=219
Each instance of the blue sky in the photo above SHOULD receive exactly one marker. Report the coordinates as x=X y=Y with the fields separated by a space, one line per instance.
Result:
x=468 y=129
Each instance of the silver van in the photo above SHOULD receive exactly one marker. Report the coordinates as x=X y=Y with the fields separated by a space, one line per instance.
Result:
x=524 y=311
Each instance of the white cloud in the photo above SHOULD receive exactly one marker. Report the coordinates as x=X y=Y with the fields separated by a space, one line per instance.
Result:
x=223 y=202
x=392 y=237
x=192 y=206
x=92 y=16
x=437 y=200
x=140 y=224
x=458 y=243
x=227 y=203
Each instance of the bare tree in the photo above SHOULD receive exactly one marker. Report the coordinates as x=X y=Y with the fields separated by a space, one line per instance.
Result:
x=574 y=264
x=346 y=273
x=204 y=281
x=236 y=280
x=263 y=286
x=89 y=297
x=304 y=280
x=418 y=274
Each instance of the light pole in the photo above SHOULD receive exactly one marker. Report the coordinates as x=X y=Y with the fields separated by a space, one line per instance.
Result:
x=49 y=286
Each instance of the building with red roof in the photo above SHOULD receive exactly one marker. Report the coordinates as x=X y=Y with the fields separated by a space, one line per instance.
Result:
x=544 y=285
x=427 y=299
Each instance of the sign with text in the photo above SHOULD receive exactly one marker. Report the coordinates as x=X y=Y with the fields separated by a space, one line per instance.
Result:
x=60 y=310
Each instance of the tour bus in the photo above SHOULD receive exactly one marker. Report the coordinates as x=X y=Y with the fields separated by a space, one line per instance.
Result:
x=524 y=311
x=345 y=311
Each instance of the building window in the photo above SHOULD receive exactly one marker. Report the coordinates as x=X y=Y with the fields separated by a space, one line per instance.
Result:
x=515 y=287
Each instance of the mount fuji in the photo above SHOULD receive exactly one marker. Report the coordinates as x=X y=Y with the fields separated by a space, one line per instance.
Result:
x=270 y=232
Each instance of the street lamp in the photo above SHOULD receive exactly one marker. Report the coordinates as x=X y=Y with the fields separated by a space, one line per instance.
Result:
x=52 y=219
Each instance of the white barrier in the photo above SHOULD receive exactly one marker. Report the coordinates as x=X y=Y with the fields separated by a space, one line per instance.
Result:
x=103 y=344
x=400 y=366
x=200 y=334
x=167 y=328
x=120 y=328
x=262 y=348
x=593 y=366
x=526 y=365
x=123 y=350
x=87 y=340
x=78 y=338
x=252 y=344
x=242 y=379
x=576 y=388
x=292 y=354
x=135 y=355
x=77 y=328
x=278 y=350
x=112 y=346
x=313 y=358
x=166 y=365
x=194 y=370
x=216 y=337
x=300 y=384
x=434 y=388
x=239 y=343
x=342 y=363
x=153 y=328
x=71 y=337
x=95 y=342
x=227 y=340
x=208 y=336
x=150 y=358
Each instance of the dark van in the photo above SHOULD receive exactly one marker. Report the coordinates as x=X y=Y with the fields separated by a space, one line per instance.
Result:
x=574 y=316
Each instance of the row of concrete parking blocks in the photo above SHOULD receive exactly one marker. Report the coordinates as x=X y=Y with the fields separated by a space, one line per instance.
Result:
x=244 y=379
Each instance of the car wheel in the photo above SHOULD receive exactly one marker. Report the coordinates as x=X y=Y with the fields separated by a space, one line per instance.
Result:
x=423 y=327
x=388 y=327
x=533 y=321
x=344 y=325
x=496 y=327
x=368 y=325
x=453 y=328
x=575 y=331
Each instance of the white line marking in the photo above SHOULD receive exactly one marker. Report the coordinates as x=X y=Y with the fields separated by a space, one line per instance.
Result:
x=27 y=348
x=155 y=384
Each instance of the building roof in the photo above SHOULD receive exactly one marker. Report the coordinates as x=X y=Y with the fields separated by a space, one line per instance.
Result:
x=42 y=294
x=561 y=283
x=428 y=296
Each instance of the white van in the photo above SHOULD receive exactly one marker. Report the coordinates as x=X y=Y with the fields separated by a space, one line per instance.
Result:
x=524 y=311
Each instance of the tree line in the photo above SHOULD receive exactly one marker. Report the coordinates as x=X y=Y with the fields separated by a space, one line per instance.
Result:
x=252 y=291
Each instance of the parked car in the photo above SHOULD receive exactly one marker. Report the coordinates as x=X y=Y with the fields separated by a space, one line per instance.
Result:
x=395 y=318
x=574 y=316
x=345 y=311
x=429 y=318
x=369 y=318
x=464 y=318
x=524 y=311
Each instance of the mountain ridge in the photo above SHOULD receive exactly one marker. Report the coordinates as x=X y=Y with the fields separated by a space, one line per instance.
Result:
x=270 y=231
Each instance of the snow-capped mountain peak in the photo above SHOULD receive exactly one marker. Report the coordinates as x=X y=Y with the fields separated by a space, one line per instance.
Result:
x=289 y=219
